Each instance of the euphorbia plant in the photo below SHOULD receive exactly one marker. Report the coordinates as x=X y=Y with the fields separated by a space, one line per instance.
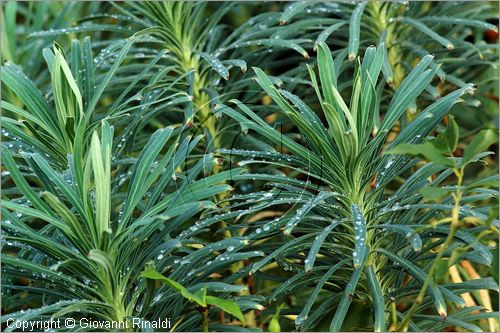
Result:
x=378 y=211
x=349 y=234
x=80 y=221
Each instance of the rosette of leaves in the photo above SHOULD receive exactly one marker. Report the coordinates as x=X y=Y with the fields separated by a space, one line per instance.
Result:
x=58 y=121
x=204 y=49
x=351 y=242
x=78 y=248
x=81 y=220
x=452 y=31
x=205 y=55
x=17 y=45
x=455 y=33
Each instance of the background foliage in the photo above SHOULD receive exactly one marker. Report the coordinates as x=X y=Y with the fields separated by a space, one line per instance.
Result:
x=319 y=166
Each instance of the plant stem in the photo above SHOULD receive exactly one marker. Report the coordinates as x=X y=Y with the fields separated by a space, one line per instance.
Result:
x=204 y=313
x=455 y=222
x=394 y=317
x=382 y=14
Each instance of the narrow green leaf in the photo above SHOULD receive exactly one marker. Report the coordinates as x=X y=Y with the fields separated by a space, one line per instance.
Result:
x=304 y=210
x=154 y=275
x=326 y=33
x=408 y=232
x=427 y=150
x=289 y=44
x=242 y=64
x=88 y=68
x=386 y=66
x=22 y=184
x=435 y=193
x=345 y=301
x=481 y=142
x=359 y=224
x=377 y=299
x=68 y=216
x=216 y=65
x=316 y=246
x=142 y=167
x=100 y=154
x=312 y=297
x=354 y=28
x=460 y=21
x=27 y=92
x=103 y=259
x=80 y=29
x=327 y=74
x=105 y=81
x=429 y=32
x=419 y=275
x=227 y=306
x=293 y=9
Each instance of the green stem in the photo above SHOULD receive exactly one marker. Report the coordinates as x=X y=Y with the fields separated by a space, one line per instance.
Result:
x=382 y=14
x=209 y=121
x=204 y=313
x=394 y=317
x=455 y=222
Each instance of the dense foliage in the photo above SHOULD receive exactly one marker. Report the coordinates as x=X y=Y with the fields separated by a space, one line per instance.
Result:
x=312 y=166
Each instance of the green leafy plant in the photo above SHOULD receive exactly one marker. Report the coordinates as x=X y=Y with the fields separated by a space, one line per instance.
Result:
x=348 y=237
x=146 y=174
x=81 y=222
x=90 y=253
x=201 y=51
x=451 y=31
x=200 y=298
x=18 y=47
